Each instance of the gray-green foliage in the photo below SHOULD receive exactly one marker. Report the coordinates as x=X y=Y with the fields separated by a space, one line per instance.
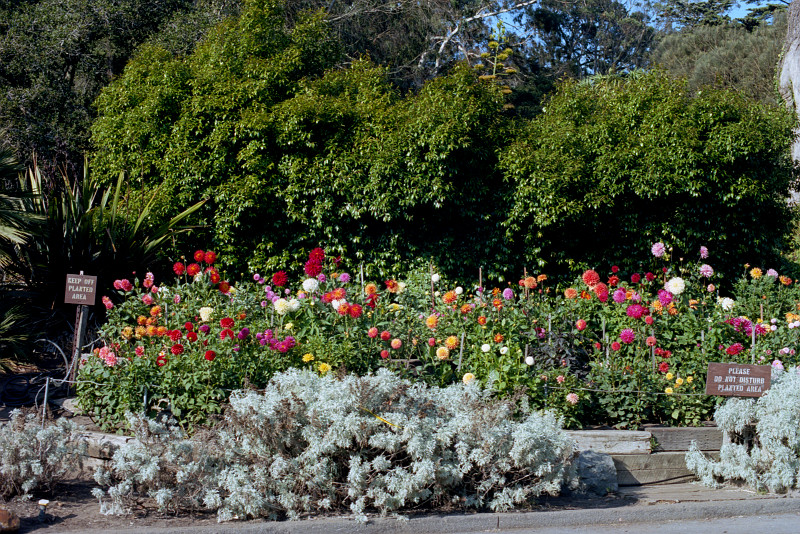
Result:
x=726 y=55
x=763 y=449
x=376 y=442
x=35 y=457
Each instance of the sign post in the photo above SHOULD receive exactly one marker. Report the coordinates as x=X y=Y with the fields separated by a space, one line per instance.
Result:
x=80 y=290
x=737 y=380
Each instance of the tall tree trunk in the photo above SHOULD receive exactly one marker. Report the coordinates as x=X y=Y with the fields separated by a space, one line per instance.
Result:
x=789 y=81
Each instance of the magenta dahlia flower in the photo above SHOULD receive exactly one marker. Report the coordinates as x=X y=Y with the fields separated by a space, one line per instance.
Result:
x=627 y=336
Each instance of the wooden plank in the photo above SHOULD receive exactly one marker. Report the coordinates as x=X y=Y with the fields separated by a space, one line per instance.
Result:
x=671 y=439
x=611 y=441
x=103 y=446
x=656 y=468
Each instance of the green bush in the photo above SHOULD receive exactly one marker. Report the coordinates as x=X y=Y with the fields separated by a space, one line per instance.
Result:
x=617 y=163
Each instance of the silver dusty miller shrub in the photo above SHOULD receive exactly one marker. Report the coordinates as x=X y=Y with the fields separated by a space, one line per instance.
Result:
x=762 y=448
x=311 y=443
x=36 y=457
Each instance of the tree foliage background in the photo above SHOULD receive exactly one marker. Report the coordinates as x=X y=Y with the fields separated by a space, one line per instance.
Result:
x=366 y=126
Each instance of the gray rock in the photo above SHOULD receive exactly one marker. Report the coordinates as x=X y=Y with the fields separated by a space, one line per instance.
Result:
x=595 y=474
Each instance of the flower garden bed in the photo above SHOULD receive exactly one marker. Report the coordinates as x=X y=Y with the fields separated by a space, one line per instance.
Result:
x=622 y=349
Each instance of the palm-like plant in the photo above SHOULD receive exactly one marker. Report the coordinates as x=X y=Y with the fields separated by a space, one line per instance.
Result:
x=16 y=223
x=17 y=226
x=87 y=227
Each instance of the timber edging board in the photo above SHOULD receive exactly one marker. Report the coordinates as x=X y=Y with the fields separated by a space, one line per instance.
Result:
x=674 y=439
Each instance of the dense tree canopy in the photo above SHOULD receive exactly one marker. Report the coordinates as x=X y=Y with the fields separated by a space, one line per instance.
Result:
x=726 y=55
x=580 y=39
x=56 y=55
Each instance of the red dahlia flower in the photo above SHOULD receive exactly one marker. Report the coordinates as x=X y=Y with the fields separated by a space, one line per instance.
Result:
x=227 y=322
x=313 y=268
x=280 y=279
x=199 y=256
x=176 y=349
x=179 y=268
x=317 y=255
x=188 y=326
x=356 y=310
x=735 y=349
x=210 y=355
x=591 y=278
x=191 y=336
x=161 y=361
x=192 y=269
x=209 y=257
x=385 y=335
x=224 y=287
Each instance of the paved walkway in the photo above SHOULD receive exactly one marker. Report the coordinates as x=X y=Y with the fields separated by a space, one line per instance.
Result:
x=632 y=505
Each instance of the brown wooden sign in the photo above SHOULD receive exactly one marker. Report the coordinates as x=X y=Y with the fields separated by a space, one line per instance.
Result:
x=81 y=289
x=737 y=380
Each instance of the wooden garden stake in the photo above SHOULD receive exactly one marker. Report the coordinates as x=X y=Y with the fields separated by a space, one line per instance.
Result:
x=703 y=342
x=44 y=403
x=460 y=351
x=653 y=350
x=480 y=281
x=525 y=276
x=433 y=290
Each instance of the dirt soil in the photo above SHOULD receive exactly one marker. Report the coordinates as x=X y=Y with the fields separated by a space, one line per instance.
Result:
x=72 y=508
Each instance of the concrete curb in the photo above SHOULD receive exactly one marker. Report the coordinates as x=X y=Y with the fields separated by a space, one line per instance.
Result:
x=451 y=524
